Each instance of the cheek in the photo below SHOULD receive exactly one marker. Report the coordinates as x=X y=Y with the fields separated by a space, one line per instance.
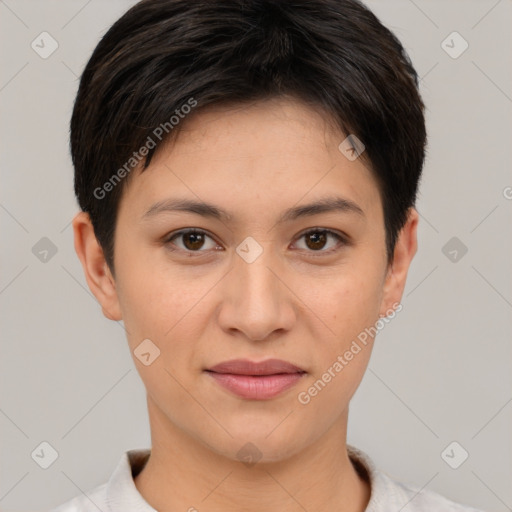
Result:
x=348 y=307
x=160 y=308
x=169 y=308
x=347 y=301
x=150 y=296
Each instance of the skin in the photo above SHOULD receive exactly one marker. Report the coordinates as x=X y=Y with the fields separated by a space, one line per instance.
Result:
x=294 y=302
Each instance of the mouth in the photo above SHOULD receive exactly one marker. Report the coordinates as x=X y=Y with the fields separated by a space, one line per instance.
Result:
x=256 y=380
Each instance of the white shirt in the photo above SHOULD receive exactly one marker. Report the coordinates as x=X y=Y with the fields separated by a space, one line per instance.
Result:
x=119 y=494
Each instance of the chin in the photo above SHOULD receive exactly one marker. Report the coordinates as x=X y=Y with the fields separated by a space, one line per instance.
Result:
x=259 y=445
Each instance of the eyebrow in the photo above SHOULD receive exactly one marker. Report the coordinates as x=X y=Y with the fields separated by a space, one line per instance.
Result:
x=325 y=205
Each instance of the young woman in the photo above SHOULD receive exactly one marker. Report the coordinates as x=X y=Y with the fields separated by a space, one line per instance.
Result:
x=247 y=173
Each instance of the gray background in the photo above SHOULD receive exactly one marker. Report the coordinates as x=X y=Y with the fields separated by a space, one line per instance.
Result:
x=440 y=373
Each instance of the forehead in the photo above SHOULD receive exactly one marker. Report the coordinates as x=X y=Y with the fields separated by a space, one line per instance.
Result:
x=266 y=154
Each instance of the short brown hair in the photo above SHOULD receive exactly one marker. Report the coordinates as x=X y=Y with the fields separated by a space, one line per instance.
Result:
x=334 y=54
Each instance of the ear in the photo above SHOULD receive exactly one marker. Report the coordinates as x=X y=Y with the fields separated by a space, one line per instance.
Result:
x=405 y=249
x=98 y=275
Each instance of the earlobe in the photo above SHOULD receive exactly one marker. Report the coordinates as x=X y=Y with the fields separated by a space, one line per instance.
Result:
x=405 y=249
x=97 y=273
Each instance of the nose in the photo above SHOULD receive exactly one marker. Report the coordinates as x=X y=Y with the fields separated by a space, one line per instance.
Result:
x=256 y=300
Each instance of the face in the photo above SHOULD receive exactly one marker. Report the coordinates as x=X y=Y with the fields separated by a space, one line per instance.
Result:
x=260 y=277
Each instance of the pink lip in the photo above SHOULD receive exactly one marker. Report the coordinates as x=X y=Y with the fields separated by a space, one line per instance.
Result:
x=256 y=381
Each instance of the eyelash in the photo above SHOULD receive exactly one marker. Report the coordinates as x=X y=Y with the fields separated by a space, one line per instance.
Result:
x=341 y=239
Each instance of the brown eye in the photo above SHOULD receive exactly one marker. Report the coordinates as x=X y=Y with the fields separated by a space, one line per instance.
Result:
x=317 y=239
x=192 y=240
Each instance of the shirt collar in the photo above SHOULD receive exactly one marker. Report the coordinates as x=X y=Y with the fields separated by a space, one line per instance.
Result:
x=121 y=494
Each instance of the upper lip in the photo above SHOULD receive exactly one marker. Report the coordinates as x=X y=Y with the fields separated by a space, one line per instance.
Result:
x=247 y=367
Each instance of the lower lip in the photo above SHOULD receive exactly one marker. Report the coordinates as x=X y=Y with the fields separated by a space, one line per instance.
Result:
x=260 y=387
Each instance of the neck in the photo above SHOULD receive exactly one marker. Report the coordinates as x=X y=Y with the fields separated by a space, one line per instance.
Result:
x=184 y=474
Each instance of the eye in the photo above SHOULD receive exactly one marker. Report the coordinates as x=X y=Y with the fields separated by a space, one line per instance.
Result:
x=196 y=240
x=317 y=239
x=193 y=240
